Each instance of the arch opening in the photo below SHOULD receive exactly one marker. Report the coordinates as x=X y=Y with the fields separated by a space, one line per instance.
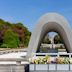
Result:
x=49 y=27
x=52 y=43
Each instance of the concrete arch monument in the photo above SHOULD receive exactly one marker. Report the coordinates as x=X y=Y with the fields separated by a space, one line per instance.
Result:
x=50 y=22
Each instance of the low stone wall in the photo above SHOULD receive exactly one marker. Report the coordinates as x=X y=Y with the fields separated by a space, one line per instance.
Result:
x=50 y=68
x=17 y=67
x=12 y=68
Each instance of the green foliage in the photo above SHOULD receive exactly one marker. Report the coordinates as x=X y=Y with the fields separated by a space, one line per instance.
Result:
x=13 y=35
x=4 y=46
x=10 y=40
x=46 y=40
x=18 y=31
x=57 y=39
x=24 y=34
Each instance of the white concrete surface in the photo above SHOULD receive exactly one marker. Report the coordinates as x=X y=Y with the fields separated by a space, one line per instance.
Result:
x=13 y=55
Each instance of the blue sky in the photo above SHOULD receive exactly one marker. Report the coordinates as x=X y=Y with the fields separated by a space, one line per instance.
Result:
x=29 y=11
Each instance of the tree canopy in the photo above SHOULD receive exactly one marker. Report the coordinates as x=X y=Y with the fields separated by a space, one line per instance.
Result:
x=57 y=39
x=15 y=33
x=46 y=40
x=10 y=39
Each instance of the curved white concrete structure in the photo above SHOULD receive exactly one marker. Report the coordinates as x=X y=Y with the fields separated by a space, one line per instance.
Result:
x=50 y=22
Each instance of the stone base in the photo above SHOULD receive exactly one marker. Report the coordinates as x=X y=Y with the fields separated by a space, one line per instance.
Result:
x=12 y=68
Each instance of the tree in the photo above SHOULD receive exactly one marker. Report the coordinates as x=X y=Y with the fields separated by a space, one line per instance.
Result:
x=57 y=39
x=23 y=34
x=10 y=39
x=18 y=28
x=46 y=40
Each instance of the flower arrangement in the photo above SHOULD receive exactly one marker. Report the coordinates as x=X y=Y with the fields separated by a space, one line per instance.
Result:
x=62 y=60
x=40 y=60
x=48 y=60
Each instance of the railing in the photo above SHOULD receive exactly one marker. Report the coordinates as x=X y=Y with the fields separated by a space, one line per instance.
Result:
x=12 y=51
x=53 y=54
